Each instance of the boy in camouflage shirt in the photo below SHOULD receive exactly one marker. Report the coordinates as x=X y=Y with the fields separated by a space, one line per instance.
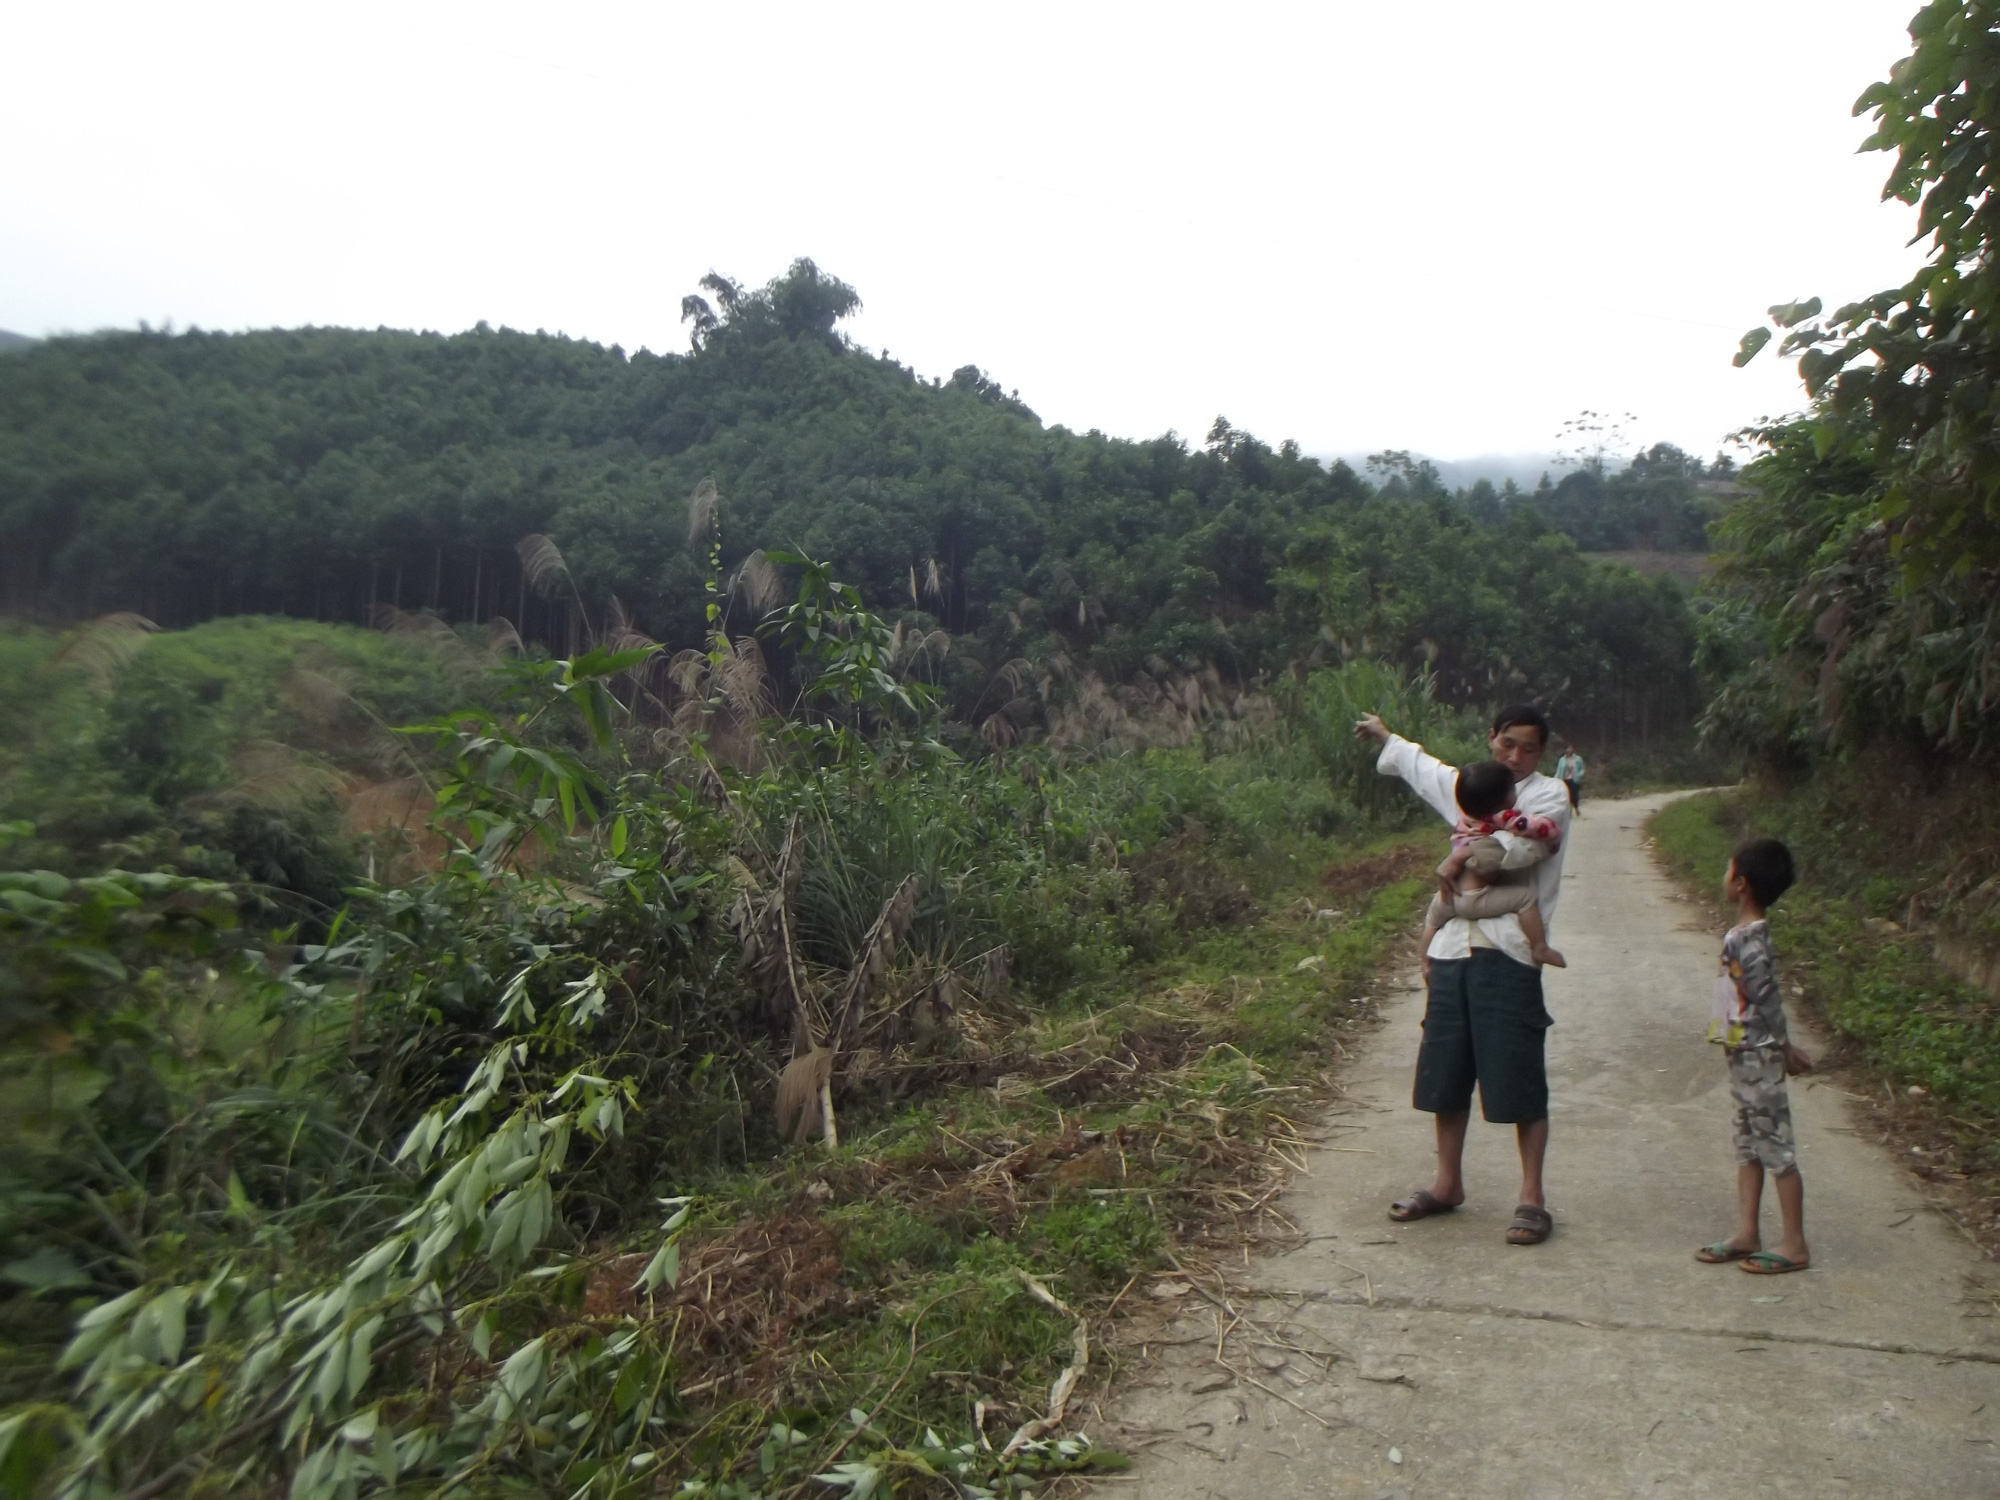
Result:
x=1748 y=1018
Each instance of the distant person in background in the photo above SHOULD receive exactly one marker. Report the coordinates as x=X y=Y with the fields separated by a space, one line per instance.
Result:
x=1569 y=771
x=1484 y=1020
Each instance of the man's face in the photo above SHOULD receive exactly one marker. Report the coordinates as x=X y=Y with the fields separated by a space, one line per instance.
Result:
x=1518 y=747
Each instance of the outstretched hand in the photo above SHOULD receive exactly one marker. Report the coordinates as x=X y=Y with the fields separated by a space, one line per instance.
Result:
x=1371 y=727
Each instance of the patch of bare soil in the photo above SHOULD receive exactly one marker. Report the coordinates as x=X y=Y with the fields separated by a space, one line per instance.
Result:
x=1179 y=873
x=1386 y=868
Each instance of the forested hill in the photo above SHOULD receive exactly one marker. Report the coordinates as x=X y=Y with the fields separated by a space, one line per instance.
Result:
x=324 y=472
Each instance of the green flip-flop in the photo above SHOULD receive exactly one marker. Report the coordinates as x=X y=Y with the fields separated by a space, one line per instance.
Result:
x=1721 y=1253
x=1770 y=1263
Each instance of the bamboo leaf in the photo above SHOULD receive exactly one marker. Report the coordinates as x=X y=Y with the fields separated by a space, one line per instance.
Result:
x=360 y=1363
x=664 y=1269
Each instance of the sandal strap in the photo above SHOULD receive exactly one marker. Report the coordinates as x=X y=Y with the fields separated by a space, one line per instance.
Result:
x=1774 y=1261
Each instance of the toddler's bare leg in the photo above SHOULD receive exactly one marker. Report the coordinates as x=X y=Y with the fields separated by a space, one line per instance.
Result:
x=1495 y=900
x=1538 y=938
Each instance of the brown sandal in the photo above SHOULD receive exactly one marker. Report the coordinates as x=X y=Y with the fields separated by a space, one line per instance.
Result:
x=1420 y=1204
x=1531 y=1225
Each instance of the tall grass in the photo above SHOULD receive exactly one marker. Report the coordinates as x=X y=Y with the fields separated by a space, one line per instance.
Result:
x=254 y=1092
x=1327 y=705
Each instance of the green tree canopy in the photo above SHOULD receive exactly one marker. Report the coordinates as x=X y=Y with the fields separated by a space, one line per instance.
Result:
x=1914 y=367
x=326 y=473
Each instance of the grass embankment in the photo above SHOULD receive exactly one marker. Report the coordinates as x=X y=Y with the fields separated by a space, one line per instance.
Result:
x=1143 y=1120
x=1853 y=944
x=1079 y=1004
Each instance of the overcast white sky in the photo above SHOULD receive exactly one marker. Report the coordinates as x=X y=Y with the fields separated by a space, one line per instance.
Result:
x=1443 y=226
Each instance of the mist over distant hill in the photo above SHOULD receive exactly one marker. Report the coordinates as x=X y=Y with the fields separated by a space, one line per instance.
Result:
x=9 y=342
x=1525 y=469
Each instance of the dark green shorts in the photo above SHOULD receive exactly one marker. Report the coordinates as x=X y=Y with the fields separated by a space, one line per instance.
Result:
x=1484 y=1023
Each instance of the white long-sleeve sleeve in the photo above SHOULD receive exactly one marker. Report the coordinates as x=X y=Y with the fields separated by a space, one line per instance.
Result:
x=1429 y=777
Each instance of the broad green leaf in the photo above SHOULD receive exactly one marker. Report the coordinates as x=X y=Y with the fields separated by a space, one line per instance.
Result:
x=603 y=662
x=523 y=1370
x=47 y=1270
x=378 y=1260
x=46 y=884
x=332 y=1373
x=360 y=1428
x=1752 y=341
x=163 y=1323
x=360 y=1364
x=97 y=961
x=663 y=1269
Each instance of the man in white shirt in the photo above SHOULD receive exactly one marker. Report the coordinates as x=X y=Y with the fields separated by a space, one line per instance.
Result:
x=1484 y=1020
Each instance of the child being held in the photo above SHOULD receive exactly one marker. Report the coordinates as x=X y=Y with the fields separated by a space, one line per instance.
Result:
x=1471 y=883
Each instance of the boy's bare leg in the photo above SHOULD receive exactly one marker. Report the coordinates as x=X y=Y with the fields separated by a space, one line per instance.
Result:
x=1791 y=1191
x=1538 y=938
x=1749 y=1234
x=1449 y=1185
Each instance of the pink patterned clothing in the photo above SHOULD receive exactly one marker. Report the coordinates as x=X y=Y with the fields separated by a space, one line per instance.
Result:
x=1509 y=820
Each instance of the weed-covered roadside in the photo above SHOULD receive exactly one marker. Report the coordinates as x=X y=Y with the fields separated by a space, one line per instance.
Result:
x=903 y=1276
x=1922 y=1048
x=655 y=1060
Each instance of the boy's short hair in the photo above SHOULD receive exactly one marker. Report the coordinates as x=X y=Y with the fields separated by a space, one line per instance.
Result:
x=1515 y=715
x=1765 y=865
x=1482 y=789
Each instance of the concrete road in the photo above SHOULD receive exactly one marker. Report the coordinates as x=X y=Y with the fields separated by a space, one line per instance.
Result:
x=1432 y=1359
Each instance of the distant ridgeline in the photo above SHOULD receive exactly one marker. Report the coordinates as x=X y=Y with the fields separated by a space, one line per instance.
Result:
x=325 y=473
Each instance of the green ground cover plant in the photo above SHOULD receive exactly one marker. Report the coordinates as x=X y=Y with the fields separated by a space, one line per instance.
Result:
x=466 y=1178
